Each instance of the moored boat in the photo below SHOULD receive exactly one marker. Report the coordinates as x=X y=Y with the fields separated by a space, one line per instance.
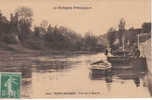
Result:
x=100 y=68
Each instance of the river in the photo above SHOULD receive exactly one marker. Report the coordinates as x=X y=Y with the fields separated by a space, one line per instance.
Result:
x=70 y=76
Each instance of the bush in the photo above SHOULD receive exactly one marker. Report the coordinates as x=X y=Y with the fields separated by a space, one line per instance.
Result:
x=10 y=39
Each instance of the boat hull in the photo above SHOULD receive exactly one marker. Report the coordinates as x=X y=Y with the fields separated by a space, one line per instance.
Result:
x=100 y=74
x=128 y=62
x=119 y=61
x=100 y=71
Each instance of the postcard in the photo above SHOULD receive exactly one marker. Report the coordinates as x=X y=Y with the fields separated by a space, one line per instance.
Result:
x=75 y=49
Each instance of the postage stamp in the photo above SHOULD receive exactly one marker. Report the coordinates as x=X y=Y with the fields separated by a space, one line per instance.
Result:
x=10 y=84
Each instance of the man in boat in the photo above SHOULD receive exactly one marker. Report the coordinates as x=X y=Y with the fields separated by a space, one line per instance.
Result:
x=106 y=52
x=137 y=53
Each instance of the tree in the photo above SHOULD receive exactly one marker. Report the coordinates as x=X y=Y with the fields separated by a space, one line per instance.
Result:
x=4 y=24
x=14 y=24
x=111 y=36
x=37 y=31
x=90 y=41
x=25 y=21
x=24 y=13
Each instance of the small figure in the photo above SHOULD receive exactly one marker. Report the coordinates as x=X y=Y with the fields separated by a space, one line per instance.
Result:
x=106 y=53
x=137 y=53
x=137 y=81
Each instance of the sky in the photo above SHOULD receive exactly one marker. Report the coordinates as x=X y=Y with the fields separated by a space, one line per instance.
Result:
x=102 y=15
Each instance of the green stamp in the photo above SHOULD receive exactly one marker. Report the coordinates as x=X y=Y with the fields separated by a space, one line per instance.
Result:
x=10 y=85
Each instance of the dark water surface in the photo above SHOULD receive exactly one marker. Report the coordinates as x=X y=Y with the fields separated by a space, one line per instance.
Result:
x=64 y=76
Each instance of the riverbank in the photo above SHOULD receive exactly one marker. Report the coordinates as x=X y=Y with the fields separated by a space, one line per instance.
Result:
x=19 y=49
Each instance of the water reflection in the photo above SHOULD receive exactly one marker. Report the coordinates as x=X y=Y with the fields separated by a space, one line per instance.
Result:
x=76 y=76
x=51 y=66
x=72 y=74
x=132 y=73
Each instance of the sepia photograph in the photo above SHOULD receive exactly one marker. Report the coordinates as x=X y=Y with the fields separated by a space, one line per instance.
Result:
x=75 y=49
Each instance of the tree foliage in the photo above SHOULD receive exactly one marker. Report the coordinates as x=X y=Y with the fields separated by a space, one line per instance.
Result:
x=24 y=21
x=111 y=36
x=24 y=13
x=18 y=29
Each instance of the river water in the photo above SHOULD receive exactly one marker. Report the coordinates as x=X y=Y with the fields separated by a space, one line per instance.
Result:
x=70 y=76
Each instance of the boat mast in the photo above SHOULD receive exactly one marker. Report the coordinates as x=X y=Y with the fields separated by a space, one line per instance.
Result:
x=138 y=40
x=123 y=44
x=122 y=30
